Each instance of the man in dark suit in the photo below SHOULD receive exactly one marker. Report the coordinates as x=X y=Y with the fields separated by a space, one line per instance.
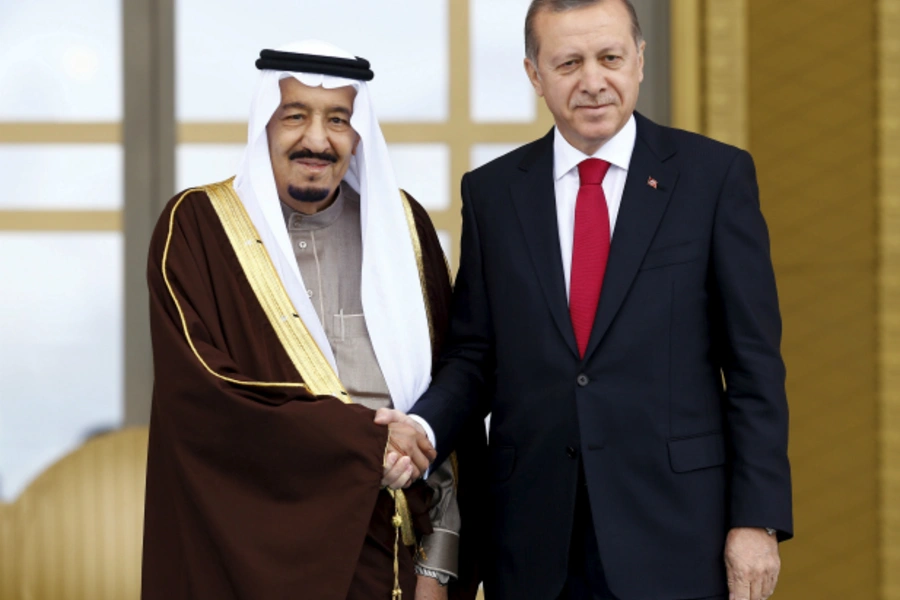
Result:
x=616 y=313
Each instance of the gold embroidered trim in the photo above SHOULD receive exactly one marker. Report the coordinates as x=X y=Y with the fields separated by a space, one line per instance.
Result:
x=417 y=248
x=184 y=326
x=256 y=263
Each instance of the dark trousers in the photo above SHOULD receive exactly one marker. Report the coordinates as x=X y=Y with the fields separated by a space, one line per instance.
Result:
x=586 y=580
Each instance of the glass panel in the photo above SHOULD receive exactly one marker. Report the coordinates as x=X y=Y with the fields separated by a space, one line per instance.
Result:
x=60 y=60
x=61 y=356
x=423 y=170
x=61 y=176
x=200 y=164
x=485 y=153
x=405 y=40
x=500 y=89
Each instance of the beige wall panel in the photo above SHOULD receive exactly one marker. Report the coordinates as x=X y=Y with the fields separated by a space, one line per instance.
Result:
x=725 y=64
x=8 y=552
x=829 y=348
x=889 y=301
x=60 y=220
x=812 y=130
x=60 y=133
x=80 y=523
x=686 y=82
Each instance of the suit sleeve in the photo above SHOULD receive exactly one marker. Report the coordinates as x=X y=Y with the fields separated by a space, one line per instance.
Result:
x=749 y=339
x=456 y=391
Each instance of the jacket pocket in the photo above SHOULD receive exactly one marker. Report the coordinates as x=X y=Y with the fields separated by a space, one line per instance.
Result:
x=671 y=255
x=503 y=461
x=701 y=452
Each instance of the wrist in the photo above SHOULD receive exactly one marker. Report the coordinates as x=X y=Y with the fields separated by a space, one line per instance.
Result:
x=441 y=578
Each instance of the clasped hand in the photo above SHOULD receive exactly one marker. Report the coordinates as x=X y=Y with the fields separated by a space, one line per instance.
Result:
x=408 y=451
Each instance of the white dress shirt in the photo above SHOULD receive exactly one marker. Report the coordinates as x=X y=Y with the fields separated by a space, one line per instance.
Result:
x=617 y=152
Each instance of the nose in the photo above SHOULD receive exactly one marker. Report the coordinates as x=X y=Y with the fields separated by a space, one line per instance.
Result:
x=315 y=137
x=593 y=78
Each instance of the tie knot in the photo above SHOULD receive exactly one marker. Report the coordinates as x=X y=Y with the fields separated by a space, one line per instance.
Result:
x=592 y=171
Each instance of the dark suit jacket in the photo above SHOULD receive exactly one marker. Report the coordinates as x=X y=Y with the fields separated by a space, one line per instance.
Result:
x=678 y=410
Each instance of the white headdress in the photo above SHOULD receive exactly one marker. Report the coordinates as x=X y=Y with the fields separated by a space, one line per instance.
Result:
x=391 y=291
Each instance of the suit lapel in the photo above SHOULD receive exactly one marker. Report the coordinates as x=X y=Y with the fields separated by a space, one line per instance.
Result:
x=643 y=205
x=534 y=199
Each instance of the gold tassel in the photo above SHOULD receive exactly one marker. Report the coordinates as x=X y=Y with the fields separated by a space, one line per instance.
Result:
x=401 y=508
x=402 y=522
x=398 y=524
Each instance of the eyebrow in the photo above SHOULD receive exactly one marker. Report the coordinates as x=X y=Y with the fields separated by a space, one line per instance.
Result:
x=301 y=106
x=569 y=54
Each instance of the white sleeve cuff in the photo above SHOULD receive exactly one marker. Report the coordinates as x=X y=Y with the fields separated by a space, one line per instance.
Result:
x=429 y=433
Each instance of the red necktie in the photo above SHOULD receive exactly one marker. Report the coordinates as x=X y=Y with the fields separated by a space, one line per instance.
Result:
x=590 y=249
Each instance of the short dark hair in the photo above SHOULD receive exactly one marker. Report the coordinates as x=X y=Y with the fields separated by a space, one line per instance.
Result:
x=531 y=42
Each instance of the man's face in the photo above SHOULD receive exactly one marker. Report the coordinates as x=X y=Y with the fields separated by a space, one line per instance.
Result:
x=588 y=71
x=311 y=143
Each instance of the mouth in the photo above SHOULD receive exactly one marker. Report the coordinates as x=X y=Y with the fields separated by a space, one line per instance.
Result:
x=594 y=108
x=313 y=165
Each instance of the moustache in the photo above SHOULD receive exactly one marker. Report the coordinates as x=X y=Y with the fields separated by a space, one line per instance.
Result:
x=600 y=100
x=300 y=154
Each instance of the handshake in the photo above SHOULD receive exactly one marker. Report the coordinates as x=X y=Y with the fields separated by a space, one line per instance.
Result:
x=408 y=453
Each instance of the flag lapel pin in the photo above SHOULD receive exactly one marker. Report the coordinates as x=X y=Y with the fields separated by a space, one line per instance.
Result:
x=652 y=183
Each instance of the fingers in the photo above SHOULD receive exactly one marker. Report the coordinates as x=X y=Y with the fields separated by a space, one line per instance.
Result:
x=769 y=586
x=739 y=589
x=386 y=416
x=755 y=585
x=390 y=460
x=398 y=473
x=405 y=479
x=425 y=446
x=419 y=460
x=756 y=589
x=738 y=585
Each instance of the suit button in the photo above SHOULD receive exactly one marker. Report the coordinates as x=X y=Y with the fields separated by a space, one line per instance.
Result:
x=571 y=452
x=582 y=380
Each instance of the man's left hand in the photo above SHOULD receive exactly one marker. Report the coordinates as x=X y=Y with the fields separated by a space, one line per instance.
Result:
x=752 y=563
x=429 y=588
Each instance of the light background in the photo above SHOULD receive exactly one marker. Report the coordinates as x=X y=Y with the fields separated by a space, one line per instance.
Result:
x=811 y=88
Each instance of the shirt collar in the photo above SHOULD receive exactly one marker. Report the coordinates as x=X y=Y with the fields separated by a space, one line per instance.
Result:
x=616 y=151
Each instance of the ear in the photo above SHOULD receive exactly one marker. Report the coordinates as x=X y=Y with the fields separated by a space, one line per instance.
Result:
x=641 y=60
x=534 y=77
x=356 y=143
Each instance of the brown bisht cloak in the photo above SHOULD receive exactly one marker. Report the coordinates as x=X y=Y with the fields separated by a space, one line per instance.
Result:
x=255 y=488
